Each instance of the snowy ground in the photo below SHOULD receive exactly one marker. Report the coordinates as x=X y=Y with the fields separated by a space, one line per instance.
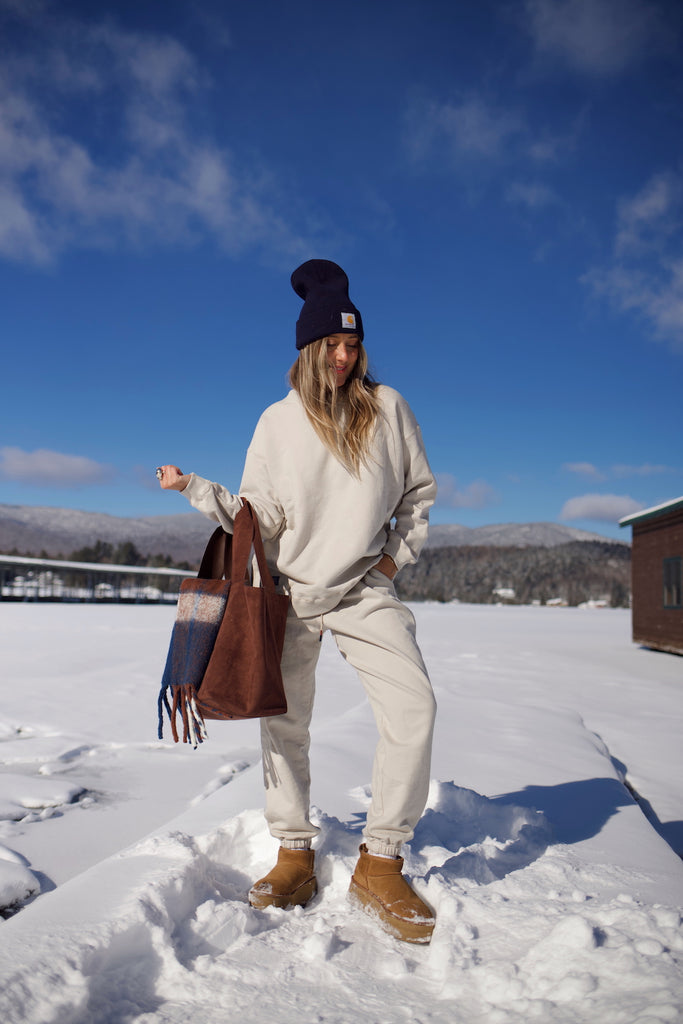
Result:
x=557 y=899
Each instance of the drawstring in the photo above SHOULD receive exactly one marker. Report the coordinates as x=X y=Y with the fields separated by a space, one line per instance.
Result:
x=320 y=638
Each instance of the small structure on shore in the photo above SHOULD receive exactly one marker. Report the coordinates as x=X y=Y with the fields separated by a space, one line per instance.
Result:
x=23 y=578
x=657 y=575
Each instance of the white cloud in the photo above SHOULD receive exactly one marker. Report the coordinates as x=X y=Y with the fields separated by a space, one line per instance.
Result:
x=656 y=294
x=476 y=128
x=604 y=507
x=137 y=168
x=489 y=142
x=470 y=128
x=23 y=8
x=584 y=469
x=618 y=471
x=597 y=37
x=478 y=494
x=645 y=275
x=645 y=470
x=20 y=231
x=534 y=195
x=43 y=467
x=650 y=217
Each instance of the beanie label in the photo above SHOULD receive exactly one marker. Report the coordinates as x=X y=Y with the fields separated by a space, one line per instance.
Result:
x=348 y=321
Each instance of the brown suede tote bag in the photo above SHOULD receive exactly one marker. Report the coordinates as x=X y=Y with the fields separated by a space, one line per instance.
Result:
x=243 y=678
x=226 y=648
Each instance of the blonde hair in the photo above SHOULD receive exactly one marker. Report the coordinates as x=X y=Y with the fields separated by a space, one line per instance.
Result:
x=343 y=417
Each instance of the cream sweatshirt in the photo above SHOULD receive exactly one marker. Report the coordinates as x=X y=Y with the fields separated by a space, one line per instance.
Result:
x=323 y=528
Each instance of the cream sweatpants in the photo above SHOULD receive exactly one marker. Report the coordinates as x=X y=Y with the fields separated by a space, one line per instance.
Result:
x=375 y=633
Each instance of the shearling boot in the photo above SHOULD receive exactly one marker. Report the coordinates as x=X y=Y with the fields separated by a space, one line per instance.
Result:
x=291 y=883
x=380 y=889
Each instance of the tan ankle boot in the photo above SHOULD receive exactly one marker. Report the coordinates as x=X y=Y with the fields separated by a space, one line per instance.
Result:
x=291 y=883
x=380 y=889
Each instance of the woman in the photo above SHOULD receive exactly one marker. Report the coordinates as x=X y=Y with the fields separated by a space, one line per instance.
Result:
x=338 y=478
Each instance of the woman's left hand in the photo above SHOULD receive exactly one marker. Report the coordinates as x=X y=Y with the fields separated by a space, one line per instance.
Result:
x=387 y=566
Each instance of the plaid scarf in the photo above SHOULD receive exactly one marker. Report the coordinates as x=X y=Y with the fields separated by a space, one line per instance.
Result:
x=200 y=610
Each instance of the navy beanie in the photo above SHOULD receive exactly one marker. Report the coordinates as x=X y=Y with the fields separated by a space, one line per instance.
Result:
x=327 y=308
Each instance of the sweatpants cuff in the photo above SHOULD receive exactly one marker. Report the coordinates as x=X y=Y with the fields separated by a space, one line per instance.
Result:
x=380 y=848
x=295 y=844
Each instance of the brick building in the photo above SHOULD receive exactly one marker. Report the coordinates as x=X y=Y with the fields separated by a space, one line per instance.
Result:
x=657 y=576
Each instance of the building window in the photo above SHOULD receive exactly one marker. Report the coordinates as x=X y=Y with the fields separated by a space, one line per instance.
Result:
x=673 y=573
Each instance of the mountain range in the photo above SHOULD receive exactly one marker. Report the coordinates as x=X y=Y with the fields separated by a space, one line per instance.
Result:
x=57 y=532
x=509 y=535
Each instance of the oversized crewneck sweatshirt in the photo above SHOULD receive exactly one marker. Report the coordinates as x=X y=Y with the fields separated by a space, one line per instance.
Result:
x=324 y=527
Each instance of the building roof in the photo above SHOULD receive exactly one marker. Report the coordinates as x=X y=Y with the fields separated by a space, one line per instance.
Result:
x=652 y=513
x=120 y=570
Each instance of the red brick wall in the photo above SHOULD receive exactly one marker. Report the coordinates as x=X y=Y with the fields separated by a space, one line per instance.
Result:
x=654 y=540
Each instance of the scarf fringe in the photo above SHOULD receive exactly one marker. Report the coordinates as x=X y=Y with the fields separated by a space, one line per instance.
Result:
x=185 y=704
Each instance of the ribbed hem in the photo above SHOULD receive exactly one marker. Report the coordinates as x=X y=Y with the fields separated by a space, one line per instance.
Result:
x=295 y=844
x=378 y=848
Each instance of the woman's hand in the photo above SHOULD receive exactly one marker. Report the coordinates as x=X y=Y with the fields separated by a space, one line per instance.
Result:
x=172 y=479
x=387 y=566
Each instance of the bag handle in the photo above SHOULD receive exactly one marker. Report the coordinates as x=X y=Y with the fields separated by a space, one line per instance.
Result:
x=245 y=536
x=217 y=558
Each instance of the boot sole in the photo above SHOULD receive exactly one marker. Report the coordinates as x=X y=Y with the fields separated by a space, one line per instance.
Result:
x=419 y=932
x=299 y=898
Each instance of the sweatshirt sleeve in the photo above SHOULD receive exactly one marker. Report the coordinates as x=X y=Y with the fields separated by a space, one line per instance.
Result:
x=411 y=518
x=213 y=500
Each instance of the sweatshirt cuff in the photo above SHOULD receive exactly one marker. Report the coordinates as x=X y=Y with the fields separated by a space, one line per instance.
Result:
x=213 y=500
x=196 y=488
x=397 y=550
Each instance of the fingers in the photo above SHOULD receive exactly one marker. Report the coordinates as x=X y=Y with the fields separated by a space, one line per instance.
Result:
x=171 y=478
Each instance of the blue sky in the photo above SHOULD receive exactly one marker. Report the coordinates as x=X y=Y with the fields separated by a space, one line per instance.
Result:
x=502 y=182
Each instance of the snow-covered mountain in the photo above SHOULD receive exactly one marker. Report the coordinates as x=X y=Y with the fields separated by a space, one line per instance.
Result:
x=521 y=535
x=59 y=531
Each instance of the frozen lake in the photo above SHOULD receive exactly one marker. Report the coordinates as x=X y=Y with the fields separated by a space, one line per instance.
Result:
x=557 y=899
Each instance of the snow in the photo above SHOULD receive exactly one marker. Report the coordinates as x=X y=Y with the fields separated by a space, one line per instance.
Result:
x=125 y=861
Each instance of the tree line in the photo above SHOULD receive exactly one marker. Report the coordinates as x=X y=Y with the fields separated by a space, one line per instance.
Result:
x=484 y=574
x=125 y=553
x=102 y=552
x=573 y=573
